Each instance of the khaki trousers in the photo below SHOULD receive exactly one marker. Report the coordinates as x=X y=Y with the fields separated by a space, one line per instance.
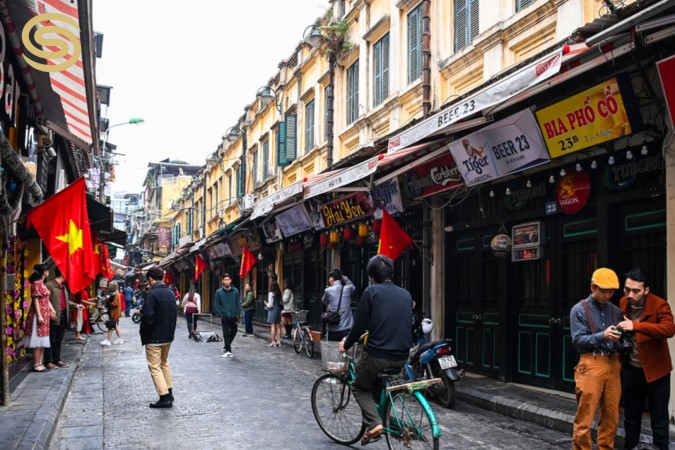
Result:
x=598 y=385
x=157 y=357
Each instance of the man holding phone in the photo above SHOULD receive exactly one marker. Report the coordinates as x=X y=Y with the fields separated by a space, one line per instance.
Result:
x=597 y=376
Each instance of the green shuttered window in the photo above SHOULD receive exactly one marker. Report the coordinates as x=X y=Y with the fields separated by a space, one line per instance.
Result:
x=381 y=70
x=415 y=44
x=466 y=22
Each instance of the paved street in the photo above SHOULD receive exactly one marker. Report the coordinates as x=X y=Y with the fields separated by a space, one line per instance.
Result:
x=260 y=399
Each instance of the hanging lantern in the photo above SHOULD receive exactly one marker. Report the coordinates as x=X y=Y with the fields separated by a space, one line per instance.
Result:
x=363 y=229
x=334 y=237
x=323 y=239
x=349 y=233
x=360 y=240
x=377 y=224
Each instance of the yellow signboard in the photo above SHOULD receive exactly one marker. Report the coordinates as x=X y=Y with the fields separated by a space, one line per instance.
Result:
x=589 y=118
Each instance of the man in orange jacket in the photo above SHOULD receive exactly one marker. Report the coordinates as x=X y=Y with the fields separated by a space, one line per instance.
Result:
x=647 y=366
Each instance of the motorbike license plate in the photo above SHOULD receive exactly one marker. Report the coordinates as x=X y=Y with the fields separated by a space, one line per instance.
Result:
x=447 y=362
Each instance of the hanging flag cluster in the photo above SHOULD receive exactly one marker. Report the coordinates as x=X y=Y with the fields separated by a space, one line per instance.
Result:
x=393 y=240
x=247 y=261
x=62 y=222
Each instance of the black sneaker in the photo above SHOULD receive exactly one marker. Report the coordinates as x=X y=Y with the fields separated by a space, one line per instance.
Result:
x=163 y=402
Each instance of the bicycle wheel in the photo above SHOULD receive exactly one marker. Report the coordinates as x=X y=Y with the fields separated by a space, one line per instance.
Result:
x=297 y=340
x=100 y=322
x=336 y=411
x=407 y=423
x=309 y=343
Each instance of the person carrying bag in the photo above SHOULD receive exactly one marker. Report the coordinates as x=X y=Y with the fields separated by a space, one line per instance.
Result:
x=338 y=318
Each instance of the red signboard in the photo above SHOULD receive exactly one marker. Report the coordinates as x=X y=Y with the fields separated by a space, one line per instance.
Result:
x=572 y=192
x=666 y=70
x=438 y=175
x=346 y=209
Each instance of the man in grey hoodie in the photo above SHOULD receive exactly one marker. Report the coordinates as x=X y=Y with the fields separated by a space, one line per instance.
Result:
x=228 y=307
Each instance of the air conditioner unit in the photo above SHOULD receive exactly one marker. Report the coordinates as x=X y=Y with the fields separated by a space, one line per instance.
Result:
x=201 y=233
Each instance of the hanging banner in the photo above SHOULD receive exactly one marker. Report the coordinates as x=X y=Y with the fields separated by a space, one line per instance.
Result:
x=591 y=117
x=666 y=68
x=164 y=237
x=438 y=175
x=271 y=230
x=504 y=147
x=346 y=209
x=387 y=194
x=293 y=221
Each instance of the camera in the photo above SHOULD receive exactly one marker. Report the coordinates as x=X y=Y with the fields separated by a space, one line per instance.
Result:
x=625 y=341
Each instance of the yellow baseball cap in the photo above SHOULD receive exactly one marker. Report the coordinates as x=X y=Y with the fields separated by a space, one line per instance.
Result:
x=605 y=278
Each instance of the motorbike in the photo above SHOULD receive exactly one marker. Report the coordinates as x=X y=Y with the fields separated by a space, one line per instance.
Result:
x=136 y=316
x=435 y=360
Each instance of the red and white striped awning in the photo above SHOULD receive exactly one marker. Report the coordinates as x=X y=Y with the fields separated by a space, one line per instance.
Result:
x=53 y=49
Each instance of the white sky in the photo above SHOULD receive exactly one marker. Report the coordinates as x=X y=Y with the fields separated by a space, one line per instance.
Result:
x=188 y=69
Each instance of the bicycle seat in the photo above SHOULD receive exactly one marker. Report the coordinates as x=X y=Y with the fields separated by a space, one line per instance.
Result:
x=389 y=373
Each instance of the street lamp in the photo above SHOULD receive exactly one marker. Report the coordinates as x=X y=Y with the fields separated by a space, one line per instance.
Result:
x=314 y=37
x=266 y=94
x=232 y=134
x=104 y=150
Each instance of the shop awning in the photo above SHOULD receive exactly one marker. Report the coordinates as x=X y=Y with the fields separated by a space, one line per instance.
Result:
x=448 y=120
x=100 y=216
x=61 y=88
x=266 y=204
x=118 y=237
x=417 y=154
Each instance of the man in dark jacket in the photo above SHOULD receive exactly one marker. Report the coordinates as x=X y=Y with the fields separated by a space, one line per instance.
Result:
x=228 y=307
x=59 y=296
x=158 y=325
x=386 y=311
x=648 y=323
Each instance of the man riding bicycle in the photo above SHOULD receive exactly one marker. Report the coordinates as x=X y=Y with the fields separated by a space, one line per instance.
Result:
x=385 y=310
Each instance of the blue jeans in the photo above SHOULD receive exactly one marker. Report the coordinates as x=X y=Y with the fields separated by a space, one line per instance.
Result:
x=189 y=318
x=248 y=321
x=127 y=307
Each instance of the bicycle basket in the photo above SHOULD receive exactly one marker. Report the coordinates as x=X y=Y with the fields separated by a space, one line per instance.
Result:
x=331 y=358
x=299 y=316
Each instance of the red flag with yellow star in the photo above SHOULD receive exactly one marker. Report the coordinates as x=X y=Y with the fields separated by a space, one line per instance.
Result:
x=393 y=240
x=62 y=222
x=247 y=262
x=98 y=253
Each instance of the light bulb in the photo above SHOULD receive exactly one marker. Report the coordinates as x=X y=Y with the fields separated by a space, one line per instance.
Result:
x=644 y=151
x=594 y=164
x=610 y=161
x=508 y=190
x=551 y=179
x=578 y=167
x=629 y=155
x=492 y=193
x=563 y=172
x=528 y=184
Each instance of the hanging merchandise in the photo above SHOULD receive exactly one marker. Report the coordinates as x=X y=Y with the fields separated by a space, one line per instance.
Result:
x=323 y=239
x=363 y=229
x=349 y=233
x=334 y=239
x=377 y=224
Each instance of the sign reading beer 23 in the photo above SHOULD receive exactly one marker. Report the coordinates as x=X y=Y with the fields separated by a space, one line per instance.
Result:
x=587 y=119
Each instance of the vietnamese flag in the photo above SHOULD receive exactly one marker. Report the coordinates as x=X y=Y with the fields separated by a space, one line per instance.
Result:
x=62 y=222
x=200 y=265
x=247 y=262
x=106 y=271
x=393 y=240
x=98 y=267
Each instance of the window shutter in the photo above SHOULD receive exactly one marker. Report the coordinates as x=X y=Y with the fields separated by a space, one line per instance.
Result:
x=353 y=92
x=356 y=90
x=309 y=126
x=473 y=22
x=325 y=112
x=377 y=73
x=240 y=184
x=520 y=4
x=255 y=168
x=385 y=68
x=291 y=137
x=281 y=145
x=413 y=44
x=266 y=157
x=460 y=24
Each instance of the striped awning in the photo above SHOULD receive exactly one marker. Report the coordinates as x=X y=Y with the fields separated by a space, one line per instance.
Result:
x=53 y=49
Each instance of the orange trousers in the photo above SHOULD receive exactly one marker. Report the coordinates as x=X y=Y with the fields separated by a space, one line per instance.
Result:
x=598 y=386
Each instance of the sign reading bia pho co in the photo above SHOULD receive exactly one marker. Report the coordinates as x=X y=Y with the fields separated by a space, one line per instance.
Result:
x=504 y=147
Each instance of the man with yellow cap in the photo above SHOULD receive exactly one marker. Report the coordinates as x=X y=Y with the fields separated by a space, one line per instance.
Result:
x=597 y=376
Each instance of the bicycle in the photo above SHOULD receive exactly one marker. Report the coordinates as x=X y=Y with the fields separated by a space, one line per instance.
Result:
x=99 y=316
x=302 y=334
x=407 y=416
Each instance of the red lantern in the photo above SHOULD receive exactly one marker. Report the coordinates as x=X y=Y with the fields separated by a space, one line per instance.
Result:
x=323 y=239
x=360 y=240
x=349 y=233
x=377 y=224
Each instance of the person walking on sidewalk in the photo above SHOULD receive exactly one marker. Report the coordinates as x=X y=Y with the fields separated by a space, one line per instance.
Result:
x=228 y=307
x=597 y=376
x=59 y=296
x=386 y=311
x=648 y=321
x=158 y=326
x=338 y=297
x=114 y=307
x=128 y=299
x=192 y=307
x=248 y=306
x=287 y=303
x=40 y=311
x=274 y=313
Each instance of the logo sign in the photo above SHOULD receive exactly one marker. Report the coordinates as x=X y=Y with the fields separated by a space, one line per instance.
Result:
x=294 y=220
x=572 y=192
x=438 y=175
x=271 y=231
x=589 y=118
x=387 y=194
x=666 y=68
x=63 y=44
x=346 y=209
x=621 y=176
x=522 y=194
x=504 y=147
